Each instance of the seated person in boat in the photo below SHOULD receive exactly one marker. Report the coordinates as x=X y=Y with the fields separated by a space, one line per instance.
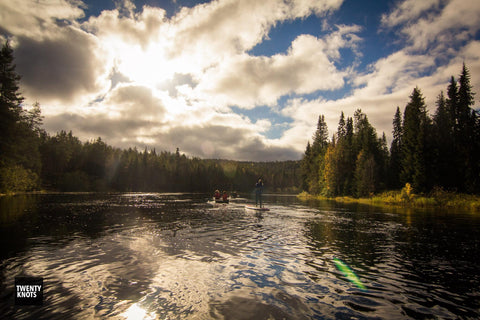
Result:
x=217 y=195
x=225 y=196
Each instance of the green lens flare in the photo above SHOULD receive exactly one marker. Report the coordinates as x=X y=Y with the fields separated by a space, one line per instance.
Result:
x=348 y=273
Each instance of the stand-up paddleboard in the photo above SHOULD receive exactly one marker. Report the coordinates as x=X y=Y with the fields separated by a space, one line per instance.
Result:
x=250 y=207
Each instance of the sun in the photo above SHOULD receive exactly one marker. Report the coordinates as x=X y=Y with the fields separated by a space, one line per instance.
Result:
x=146 y=66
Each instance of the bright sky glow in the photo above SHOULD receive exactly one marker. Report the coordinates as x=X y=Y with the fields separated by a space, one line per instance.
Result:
x=242 y=80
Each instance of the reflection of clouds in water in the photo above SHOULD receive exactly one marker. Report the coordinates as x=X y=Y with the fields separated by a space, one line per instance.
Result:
x=136 y=312
x=93 y=278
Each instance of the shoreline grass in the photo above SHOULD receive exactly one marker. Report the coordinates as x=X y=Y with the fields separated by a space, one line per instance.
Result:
x=405 y=198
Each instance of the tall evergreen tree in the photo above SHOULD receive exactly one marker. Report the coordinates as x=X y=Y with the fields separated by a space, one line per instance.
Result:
x=466 y=120
x=319 y=147
x=342 y=129
x=395 y=164
x=320 y=137
x=10 y=102
x=415 y=131
x=452 y=107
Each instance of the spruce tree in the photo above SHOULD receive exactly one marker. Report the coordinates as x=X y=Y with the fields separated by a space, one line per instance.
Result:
x=320 y=137
x=452 y=107
x=318 y=149
x=414 y=141
x=466 y=133
x=10 y=102
x=396 y=151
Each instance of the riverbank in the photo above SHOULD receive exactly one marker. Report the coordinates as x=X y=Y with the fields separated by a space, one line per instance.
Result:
x=406 y=198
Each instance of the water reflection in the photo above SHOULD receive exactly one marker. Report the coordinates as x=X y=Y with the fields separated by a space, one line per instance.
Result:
x=170 y=256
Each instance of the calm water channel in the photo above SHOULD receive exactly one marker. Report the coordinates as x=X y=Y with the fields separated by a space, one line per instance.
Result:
x=177 y=256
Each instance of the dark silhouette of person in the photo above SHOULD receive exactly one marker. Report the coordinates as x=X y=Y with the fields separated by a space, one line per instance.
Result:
x=258 y=192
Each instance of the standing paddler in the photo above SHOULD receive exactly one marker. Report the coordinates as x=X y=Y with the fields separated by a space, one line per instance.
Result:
x=258 y=192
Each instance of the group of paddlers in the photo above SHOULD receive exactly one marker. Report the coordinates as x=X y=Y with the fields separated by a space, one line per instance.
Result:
x=258 y=193
x=219 y=196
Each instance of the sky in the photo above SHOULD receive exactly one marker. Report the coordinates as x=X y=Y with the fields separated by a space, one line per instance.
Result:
x=233 y=79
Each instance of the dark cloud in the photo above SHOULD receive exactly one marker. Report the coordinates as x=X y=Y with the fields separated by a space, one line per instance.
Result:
x=60 y=67
x=95 y=126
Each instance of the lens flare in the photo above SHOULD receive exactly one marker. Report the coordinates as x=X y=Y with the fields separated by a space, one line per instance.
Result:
x=349 y=273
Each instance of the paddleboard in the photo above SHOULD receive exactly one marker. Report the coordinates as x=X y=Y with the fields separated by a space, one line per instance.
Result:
x=256 y=208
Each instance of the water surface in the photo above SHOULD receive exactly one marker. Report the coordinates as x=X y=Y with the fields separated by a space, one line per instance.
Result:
x=178 y=256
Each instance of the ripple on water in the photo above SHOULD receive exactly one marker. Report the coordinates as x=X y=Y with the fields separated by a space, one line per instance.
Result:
x=175 y=256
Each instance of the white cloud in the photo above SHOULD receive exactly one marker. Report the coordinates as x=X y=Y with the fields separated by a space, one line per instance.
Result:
x=408 y=11
x=441 y=23
x=308 y=66
x=142 y=28
x=37 y=19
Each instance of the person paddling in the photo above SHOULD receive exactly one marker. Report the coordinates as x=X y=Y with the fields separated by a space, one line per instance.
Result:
x=258 y=192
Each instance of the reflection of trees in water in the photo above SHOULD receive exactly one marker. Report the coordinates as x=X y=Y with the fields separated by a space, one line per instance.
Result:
x=13 y=207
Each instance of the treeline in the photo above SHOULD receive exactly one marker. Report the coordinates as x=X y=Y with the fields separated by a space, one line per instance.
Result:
x=31 y=159
x=427 y=152
x=70 y=165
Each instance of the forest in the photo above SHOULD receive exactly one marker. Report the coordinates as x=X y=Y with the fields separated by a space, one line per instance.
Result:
x=427 y=152
x=31 y=159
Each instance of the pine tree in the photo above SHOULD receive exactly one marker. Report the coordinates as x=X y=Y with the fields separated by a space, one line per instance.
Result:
x=10 y=102
x=320 y=137
x=451 y=105
x=414 y=141
x=342 y=129
x=396 y=151
x=466 y=120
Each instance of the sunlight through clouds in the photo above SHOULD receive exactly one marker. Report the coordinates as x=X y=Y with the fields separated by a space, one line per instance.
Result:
x=166 y=75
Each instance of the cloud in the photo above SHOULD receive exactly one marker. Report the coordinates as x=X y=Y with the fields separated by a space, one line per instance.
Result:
x=122 y=26
x=407 y=11
x=134 y=101
x=230 y=25
x=308 y=66
x=210 y=33
x=433 y=22
x=36 y=19
x=65 y=67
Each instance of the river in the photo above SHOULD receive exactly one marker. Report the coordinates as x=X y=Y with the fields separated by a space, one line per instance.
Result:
x=179 y=256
